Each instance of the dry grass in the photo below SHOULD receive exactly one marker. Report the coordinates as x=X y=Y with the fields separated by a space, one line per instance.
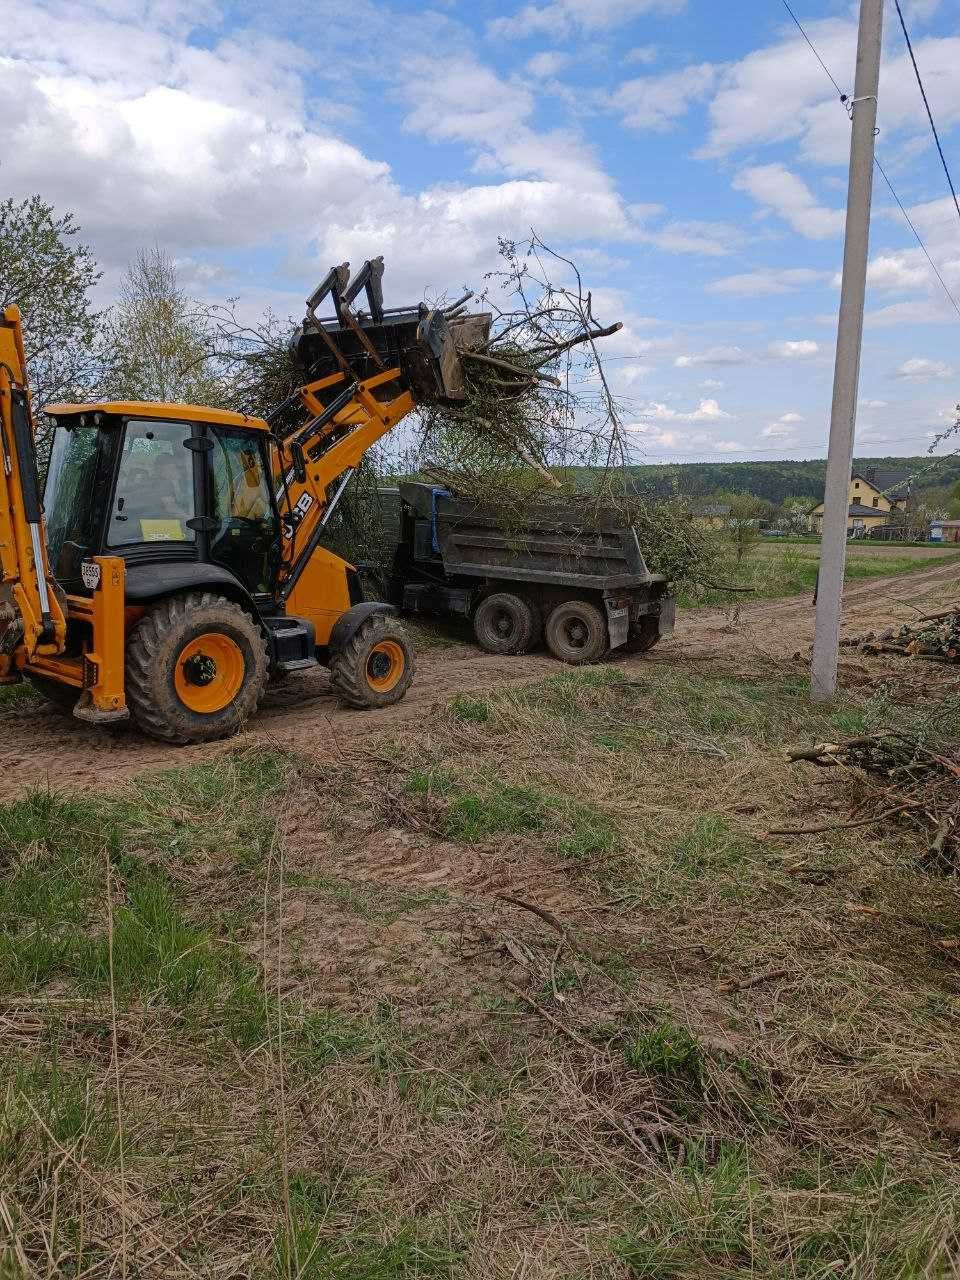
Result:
x=524 y=991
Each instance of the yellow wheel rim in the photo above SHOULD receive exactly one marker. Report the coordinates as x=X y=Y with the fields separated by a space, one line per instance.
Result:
x=209 y=673
x=385 y=666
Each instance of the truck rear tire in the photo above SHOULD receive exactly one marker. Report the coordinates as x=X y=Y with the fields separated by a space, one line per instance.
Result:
x=375 y=666
x=576 y=632
x=196 y=668
x=507 y=623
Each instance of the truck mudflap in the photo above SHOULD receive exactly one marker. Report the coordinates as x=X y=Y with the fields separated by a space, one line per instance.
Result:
x=618 y=621
x=623 y=614
x=668 y=615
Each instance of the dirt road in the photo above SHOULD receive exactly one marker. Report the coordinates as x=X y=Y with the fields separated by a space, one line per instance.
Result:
x=39 y=747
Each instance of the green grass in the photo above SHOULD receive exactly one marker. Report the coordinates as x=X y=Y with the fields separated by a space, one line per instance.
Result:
x=776 y=569
x=58 y=850
x=307 y=1252
x=637 y=1115
x=702 y=1223
x=668 y=1051
x=479 y=807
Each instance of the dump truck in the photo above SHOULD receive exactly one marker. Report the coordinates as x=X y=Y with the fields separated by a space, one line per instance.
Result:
x=549 y=572
x=175 y=562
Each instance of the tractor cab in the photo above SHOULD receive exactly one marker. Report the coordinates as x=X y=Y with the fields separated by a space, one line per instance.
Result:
x=168 y=489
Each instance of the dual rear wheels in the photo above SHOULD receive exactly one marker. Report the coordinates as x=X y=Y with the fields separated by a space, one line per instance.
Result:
x=509 y=622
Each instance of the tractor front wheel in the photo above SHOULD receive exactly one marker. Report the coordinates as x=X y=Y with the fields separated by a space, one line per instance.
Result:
x=196 y=668
x=376 y=665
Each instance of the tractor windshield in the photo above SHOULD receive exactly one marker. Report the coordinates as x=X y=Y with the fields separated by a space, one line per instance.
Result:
x=75 y=490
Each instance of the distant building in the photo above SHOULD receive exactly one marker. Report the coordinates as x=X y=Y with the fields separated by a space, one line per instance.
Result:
x=710 y=515
x=873 y=496
x=945 y=531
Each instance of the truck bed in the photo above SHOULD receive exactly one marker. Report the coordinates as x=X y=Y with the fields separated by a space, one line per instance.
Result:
x=557 y=545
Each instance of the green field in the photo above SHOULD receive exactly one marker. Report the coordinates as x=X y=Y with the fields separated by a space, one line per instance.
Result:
x=777 y=568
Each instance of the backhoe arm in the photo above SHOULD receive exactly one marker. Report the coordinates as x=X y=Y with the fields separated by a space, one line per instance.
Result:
x=30 y=613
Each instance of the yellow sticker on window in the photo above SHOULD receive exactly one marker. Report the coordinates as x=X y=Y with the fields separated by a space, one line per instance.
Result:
x=162 y=531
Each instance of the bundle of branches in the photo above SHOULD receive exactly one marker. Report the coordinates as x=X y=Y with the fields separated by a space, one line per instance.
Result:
x=934 y=638
x=538 y=397
x=907 y=779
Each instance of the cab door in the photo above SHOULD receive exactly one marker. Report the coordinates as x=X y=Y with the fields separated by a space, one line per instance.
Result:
x=244 y=529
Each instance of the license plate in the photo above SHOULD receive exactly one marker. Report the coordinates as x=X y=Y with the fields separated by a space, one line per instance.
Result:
x=619 y=613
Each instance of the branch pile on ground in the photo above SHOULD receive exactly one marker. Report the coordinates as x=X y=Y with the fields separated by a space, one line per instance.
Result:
x=907 y=779
x=934 y=638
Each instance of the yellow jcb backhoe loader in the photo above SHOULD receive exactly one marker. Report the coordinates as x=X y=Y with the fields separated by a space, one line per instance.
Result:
x=176 y=561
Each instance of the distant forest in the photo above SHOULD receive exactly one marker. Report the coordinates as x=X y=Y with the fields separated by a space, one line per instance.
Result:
x=776 y=481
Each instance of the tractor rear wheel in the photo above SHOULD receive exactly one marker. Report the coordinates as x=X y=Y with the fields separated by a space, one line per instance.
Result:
x=506 y=622
x=576 y=632
x=196 y=668
x=375 y=667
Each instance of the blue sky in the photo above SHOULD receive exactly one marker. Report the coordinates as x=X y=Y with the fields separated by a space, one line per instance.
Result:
x=691 y=154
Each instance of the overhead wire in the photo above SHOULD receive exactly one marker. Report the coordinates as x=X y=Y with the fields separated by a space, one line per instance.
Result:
x=844 y=98
x=926 y=103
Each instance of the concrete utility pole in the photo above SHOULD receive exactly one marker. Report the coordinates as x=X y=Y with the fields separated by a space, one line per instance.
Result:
x=846 y=377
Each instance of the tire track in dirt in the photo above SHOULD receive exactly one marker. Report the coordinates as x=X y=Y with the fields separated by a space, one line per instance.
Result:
x=39 y=747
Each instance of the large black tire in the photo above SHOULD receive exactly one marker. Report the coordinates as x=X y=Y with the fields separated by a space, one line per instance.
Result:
x=507 y=623
x=375 y=667
x=576 y=632
x=643 y=636
x=62 y=697
x=196 y=668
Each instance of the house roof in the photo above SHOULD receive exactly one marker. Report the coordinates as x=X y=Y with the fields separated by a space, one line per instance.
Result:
x=858 y=509
x=892 y=484
x=710 y=508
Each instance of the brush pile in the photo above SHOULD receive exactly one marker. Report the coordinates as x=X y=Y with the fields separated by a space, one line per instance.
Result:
x=905 y=778
x=934 y=638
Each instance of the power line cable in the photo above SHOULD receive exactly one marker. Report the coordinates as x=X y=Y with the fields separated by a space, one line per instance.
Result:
x=933 y=265
x=844 y=98
x=813 y=49
x=926 y=103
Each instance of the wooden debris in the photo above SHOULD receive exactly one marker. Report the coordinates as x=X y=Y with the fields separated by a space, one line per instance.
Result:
x=934 y=638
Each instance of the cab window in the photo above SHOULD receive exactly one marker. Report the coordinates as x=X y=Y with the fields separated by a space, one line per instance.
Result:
x=244 y=536
x=153 y=499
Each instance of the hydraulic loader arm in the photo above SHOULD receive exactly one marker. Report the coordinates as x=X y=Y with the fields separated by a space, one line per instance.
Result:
x=315 y=464
x=30 y=613
x=378 y=366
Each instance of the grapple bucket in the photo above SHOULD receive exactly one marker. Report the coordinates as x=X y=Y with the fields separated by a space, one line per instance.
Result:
x=424 y=344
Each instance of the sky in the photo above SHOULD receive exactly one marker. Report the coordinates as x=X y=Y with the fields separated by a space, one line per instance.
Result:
x=691 y=155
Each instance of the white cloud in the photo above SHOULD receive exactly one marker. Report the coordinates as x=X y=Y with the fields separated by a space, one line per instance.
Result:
x=547 y=64
x=767 y=282
x=656 y=102
x=645 y=55
x=564 y=17
x=779 y=94
x=784 y=428
x=873 y=404
x=797 y=349
x=712 y=384
x=113 y=115
x=706 y=411
x=920 y=369
x=800 y=350
x=777 y=189
x=713 y=356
